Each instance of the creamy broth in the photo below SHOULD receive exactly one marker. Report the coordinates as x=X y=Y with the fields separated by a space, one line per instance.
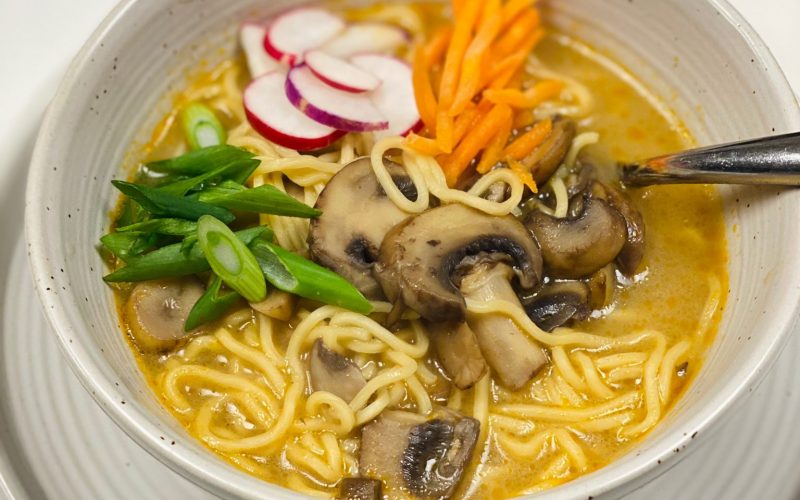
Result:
x=678 y=295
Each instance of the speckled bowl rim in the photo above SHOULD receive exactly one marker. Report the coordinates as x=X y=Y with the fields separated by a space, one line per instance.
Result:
x=216 y=476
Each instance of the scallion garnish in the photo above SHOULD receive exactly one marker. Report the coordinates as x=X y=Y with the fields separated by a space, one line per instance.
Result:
x=173 y=261
x=234 y=170
x=230 y=259
x=170 y=227
x=164 y=204
x=263 y=199
x=210 y=306
x=292 y=273
x=201 y=126
x=199 y=161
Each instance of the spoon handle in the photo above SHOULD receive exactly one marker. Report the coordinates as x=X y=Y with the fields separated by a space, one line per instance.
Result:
x=770 y=160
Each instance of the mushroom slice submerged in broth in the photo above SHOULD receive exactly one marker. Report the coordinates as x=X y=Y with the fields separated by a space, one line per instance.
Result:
x=546 y=159
x=559 y=303
x=332 y=372
x=426 y=457
x=157 y=310
x=513 y=355
x=459 y=352
x=576 y=247
x=632 y=251
x=418 y=258
x=360 y=488
x=356 y=214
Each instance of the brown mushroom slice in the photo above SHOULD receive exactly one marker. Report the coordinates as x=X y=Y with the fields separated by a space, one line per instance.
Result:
x=560 y=303
x=419 y=257
x=334 y=373
x=278 y=305
x=356 y=214
x=459 y=353
x=424 y=457
x=632 y=253
x=360 y=488
x=514 y=357
x=601 y=285
x=545 y=159
x=157 y=310
x=576 y=247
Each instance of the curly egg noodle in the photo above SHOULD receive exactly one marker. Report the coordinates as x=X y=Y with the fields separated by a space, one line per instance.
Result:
x=243 y=389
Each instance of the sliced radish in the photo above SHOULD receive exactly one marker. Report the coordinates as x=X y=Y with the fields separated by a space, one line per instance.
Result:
x=366 y=37
x=251 y=37
x=395 y=97
x=273 y=116
x=294 y=32
x=331 y=107
x=339 y=73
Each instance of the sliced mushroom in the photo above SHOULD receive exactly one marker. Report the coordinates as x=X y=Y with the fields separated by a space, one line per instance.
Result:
x=332 y=372
x=632 y=253
x=514 y=357
x=356 y=214
x=419 y=256
x=425 y=457
x=278 y=305
x=576 y=247
x=360 y=488
x=157 y=310
x=602 y=285
x=560 y=303
x=545 y=159
x=459 y=353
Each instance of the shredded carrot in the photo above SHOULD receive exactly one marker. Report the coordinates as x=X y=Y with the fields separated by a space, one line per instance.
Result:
x=494 y=151
x=436 y=48
x=462 y=35
x=423 y=144
x=466 y=120
x=512 y=9
x=523 y=174
x=542 y=91
x=503 y=71
x=526 y=23
x=476 y=139
x=524 y=118
x=470 y=78
x=530 y=140
x=444 y=131
x=423 y=92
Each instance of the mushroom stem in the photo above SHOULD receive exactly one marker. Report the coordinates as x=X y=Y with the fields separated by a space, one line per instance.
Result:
x=459 y=353
x=513 y=355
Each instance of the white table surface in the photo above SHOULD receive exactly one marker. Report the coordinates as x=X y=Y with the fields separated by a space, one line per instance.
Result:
x=39 y=37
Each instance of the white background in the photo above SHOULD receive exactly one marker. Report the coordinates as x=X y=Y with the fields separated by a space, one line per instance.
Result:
x=39 y=37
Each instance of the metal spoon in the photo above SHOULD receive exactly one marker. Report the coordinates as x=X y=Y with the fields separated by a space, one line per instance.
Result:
x=770 y=160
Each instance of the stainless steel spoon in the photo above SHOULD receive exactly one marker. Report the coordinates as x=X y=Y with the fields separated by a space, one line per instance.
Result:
x=770 y=160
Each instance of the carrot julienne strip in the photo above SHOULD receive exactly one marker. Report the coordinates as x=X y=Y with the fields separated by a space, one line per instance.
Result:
x=525 y=24
x=523 y=174
x=542 y=91
x=494 y=151
x=424 y=145
x=476 y=139
x=423 y=92
x=530 y=140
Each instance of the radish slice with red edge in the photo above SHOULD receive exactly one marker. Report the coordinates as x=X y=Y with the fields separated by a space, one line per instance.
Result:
x=328 y=106
x=293 y=33
x=339 y=73
x=367 y=37
x=273 y=116
x=395 y=97
x=251 y=38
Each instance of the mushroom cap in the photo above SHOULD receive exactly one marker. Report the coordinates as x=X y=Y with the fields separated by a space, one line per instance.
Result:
x=458 y=352
x=356 y=214
x=575 y=247
x=157 y=310
x=419 y=256
x=334 y=373
x=559 y=303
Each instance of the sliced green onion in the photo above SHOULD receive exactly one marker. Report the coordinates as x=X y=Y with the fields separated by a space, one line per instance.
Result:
x=168 y=205
x=126 y=246
x=236 y=169
x=172 y=261
x=170 y=227
x=292 y=273
x=263 y=199
x=131 y=213
x=210 y=306
x=201 y=126
x=230 y=259
x=201 y=160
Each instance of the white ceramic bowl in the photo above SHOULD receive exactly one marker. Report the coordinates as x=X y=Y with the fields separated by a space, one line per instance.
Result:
x=700 y=56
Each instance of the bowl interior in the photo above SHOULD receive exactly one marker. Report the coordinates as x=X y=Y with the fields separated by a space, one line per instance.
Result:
x=700 y=58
